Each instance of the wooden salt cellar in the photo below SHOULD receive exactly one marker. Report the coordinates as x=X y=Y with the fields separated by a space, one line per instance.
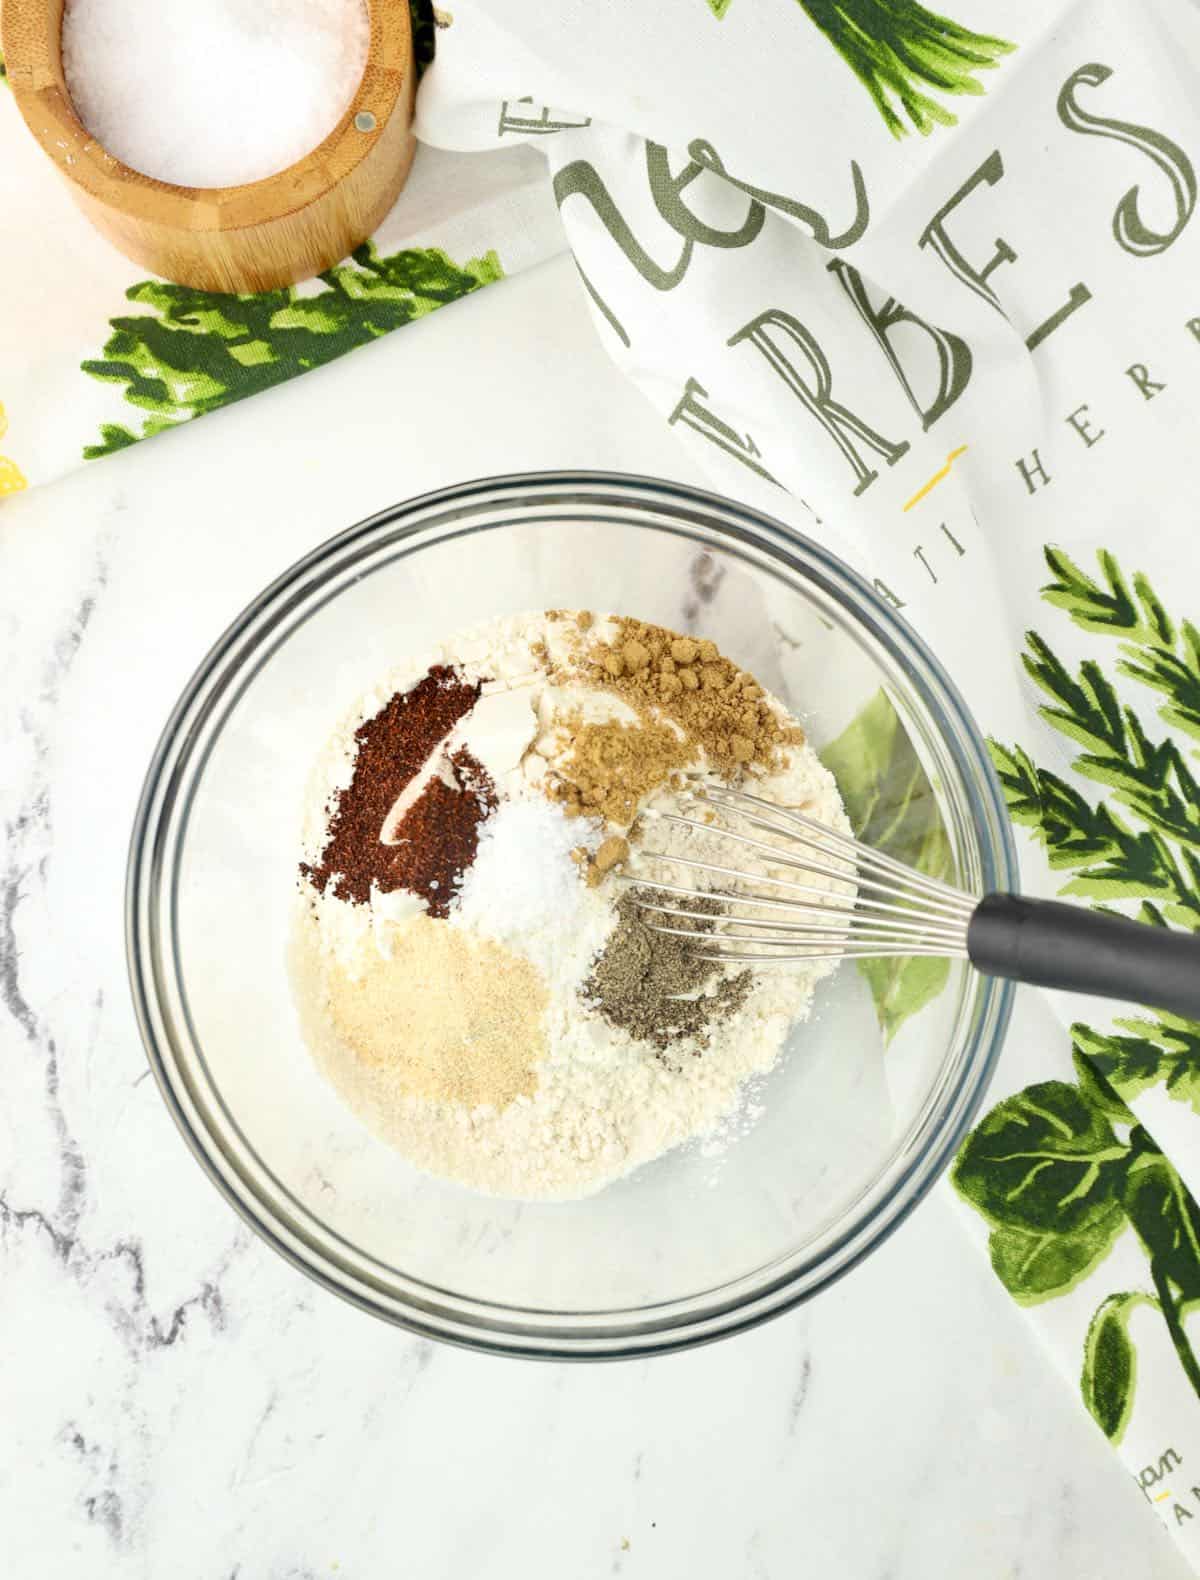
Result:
x=254 y=237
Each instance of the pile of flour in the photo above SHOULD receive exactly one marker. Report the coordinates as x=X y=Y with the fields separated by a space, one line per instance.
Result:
x=604 y=1103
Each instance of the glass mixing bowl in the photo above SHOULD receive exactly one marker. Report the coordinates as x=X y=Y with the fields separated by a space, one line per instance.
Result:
x=703 y=1242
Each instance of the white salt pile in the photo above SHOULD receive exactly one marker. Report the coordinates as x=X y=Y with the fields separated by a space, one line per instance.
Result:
x=212 y=93
x=523 y=890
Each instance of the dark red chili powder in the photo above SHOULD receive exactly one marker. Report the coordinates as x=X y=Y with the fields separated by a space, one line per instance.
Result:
x=440 y=832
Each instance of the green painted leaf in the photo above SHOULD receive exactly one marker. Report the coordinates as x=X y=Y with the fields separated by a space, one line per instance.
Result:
x=1035 y=1266
x=1110 y=860
x=1143 y=843
x=1088 y=710
x=1043 y=1161
x=1165 y=1216
x=1020 y=782
x=902 y=987
x=903 y=54
x=1095 y=1086
x=1047 y=1168
x=424 y=34
x=193 y=351
x=1163 y=1051
x=1109 y=1377
x=892 y=806
x=1107 y=610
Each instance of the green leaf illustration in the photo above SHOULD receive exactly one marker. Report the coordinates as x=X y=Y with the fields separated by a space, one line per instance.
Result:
x=1057 y=1183
x=1094 y=1082
x=424 y=32
x=1142 y=842
x=1165 y=1216
x=1048 y=1168
x=1110 y=1363
x=1043 y=1161
x=892 y=806
x=1087 y=709
x=195 y=351
x=1164 y=1050
x=1174 y=671
x=1156 y=652
x=1109 y=609
x=903 y=54
x=1166 y=1220
x=1104 y=609
x=1038 y=1265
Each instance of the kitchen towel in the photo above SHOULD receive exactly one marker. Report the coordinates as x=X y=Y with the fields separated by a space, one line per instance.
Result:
x=935 y=275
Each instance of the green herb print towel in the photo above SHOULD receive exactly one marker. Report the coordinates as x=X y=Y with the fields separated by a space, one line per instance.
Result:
x=934 y=272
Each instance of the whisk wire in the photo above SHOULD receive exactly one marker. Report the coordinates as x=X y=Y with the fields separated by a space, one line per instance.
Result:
x=863 y=917
x=827 y=946
x=869 y=905
x=818 y=836
x=894 y=887
x=816 y=925
x=821 y=834
x=727 y=956
x=830 y=900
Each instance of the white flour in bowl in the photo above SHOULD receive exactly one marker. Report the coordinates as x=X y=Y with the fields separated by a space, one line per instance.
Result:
x=525 y=925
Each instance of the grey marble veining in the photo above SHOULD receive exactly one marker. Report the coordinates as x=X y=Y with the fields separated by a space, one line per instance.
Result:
x=175 y=1399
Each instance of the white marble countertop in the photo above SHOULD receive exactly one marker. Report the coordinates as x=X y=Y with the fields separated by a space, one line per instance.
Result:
x=174 y=1398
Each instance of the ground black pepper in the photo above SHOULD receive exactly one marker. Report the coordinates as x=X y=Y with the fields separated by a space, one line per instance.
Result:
x=639 y=971
x=439 y=835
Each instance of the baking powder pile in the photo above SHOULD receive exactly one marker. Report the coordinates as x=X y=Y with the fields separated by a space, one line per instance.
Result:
x=516 y=1027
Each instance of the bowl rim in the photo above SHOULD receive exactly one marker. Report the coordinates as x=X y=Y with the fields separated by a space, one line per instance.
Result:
x=243 y=637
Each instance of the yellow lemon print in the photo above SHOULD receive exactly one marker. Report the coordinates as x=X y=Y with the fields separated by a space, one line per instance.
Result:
x=12 y=479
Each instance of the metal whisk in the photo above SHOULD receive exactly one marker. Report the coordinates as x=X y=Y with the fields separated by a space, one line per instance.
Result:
x=843 y=900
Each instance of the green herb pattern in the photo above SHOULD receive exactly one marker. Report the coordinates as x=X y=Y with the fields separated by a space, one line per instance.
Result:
x=892 y=806
x=1110 y=1364
x=1062 y=1170
x=195 y=351
x=424 y=33
x=902 y=54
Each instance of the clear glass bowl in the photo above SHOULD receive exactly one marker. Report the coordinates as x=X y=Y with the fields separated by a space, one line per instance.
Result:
x=692 y=1246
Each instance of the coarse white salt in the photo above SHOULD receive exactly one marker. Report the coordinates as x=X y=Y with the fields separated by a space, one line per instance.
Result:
x=207 y=93
x=524 y=891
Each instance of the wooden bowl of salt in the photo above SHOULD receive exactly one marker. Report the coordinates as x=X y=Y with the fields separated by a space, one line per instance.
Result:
x=309 y=132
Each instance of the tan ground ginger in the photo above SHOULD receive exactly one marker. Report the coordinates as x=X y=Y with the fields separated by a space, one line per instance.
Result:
x=718 y=706
x=611 y=766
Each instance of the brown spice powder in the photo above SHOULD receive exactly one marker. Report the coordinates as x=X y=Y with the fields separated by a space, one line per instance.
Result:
x=440 y=833
x=719 y=706
x=611 y=766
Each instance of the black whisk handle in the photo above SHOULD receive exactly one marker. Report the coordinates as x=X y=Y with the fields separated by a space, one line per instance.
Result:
x=1082 y=951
